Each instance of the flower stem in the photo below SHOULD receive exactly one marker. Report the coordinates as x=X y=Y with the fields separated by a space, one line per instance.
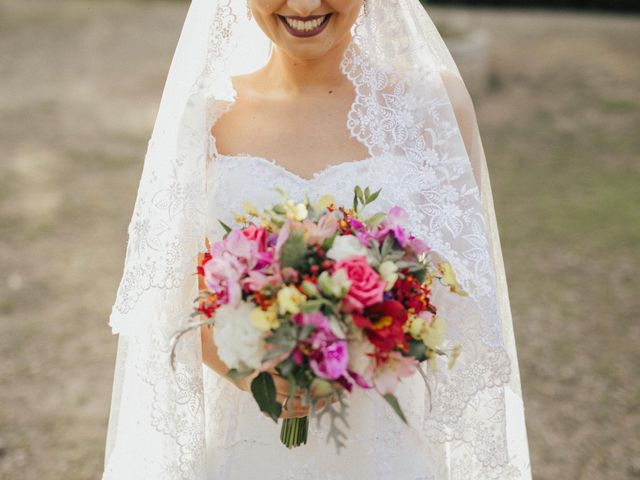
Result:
x=294 y=431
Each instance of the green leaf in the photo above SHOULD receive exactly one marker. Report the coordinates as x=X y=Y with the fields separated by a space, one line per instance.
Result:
x=226 y=227
x=421 y=275
x=372 y=198
x=285 y=368
x=311 y=306
x=263 y=389
x=387 y=246
x=293 y=251
x=276 y=352
x=328 y=242
x=417 y=349
x=292 y=388
x=359 y=194
x=393 y=401
x=305 y=331
x=393 y=256
x=279 y=209
x=285 y=336
x=310 y=289
x=374 y=220
x=236 y=374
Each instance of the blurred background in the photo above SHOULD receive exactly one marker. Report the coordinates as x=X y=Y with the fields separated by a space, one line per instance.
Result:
x=558 y=101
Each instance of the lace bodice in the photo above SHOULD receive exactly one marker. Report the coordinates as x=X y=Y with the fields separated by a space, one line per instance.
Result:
x=235 y=178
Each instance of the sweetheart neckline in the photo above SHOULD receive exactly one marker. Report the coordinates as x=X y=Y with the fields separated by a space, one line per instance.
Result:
x=315 y=176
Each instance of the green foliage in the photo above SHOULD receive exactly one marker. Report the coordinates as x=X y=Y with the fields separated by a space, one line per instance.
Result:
x=263 y=389
x=393 y=401
x=294 y=251
x=226 y=227
x=363 y=198
x=417 y=349
x=236 y=374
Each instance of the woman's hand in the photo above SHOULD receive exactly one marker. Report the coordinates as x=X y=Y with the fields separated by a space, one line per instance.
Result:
x=294 y=407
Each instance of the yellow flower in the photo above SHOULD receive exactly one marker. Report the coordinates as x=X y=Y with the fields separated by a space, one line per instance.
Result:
x=240 y=219
x=297 y=211
x=433 y=364
x=429 y=280
x=250 y=209
x=324 y=202
x=414 y=326
x=289 y=300
x=449 y=278
x=433 y=333
x=265 y=319
x=455 y=353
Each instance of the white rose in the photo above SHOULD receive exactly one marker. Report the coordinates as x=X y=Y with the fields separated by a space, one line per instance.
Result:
x=346 y=246
x=240 y=344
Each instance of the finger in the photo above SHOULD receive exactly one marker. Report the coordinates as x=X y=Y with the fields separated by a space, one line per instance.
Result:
x=296 y=401
x=320 y=404
x=290 y=411
x=295 y=412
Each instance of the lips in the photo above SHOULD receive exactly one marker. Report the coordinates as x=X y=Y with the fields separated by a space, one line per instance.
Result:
x=305 y=26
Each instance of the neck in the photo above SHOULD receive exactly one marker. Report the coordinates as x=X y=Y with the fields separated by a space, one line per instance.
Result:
x=295 y=76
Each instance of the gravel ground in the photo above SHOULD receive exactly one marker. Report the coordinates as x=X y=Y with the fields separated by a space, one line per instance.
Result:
x=80 y=84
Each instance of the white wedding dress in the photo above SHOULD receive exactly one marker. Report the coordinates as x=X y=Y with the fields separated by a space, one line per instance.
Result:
x=379 y=445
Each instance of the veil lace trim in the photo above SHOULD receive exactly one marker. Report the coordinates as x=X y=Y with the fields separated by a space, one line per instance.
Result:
x=389 y=116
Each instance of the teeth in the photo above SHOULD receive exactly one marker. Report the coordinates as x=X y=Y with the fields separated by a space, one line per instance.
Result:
x=305 y=26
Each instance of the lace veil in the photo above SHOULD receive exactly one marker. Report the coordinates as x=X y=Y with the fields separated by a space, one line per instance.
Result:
x=408 y=102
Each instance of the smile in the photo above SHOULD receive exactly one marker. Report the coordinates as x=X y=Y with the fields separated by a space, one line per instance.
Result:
x=305 y=26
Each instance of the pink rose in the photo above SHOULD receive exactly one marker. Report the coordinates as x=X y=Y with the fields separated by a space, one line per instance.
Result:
x=367 y=288
x=257 y=235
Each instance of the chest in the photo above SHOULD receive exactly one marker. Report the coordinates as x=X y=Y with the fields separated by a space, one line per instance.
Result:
x=303 y=137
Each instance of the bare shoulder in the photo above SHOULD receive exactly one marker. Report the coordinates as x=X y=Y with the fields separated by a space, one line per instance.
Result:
x=228 y=129
x=458 y=95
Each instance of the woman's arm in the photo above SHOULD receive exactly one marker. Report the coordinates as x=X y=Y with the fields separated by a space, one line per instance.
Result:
x=209 y=350
x=467 y=122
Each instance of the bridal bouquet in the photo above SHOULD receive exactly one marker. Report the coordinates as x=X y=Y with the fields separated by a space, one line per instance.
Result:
x=328 y=299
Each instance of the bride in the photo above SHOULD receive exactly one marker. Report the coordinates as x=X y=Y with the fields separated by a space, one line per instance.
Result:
x=315 y=97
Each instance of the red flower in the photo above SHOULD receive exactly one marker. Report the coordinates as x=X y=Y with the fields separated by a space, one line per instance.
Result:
x=207 y=306
x=412 y=294
x=383 y=324
x=207 y=257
